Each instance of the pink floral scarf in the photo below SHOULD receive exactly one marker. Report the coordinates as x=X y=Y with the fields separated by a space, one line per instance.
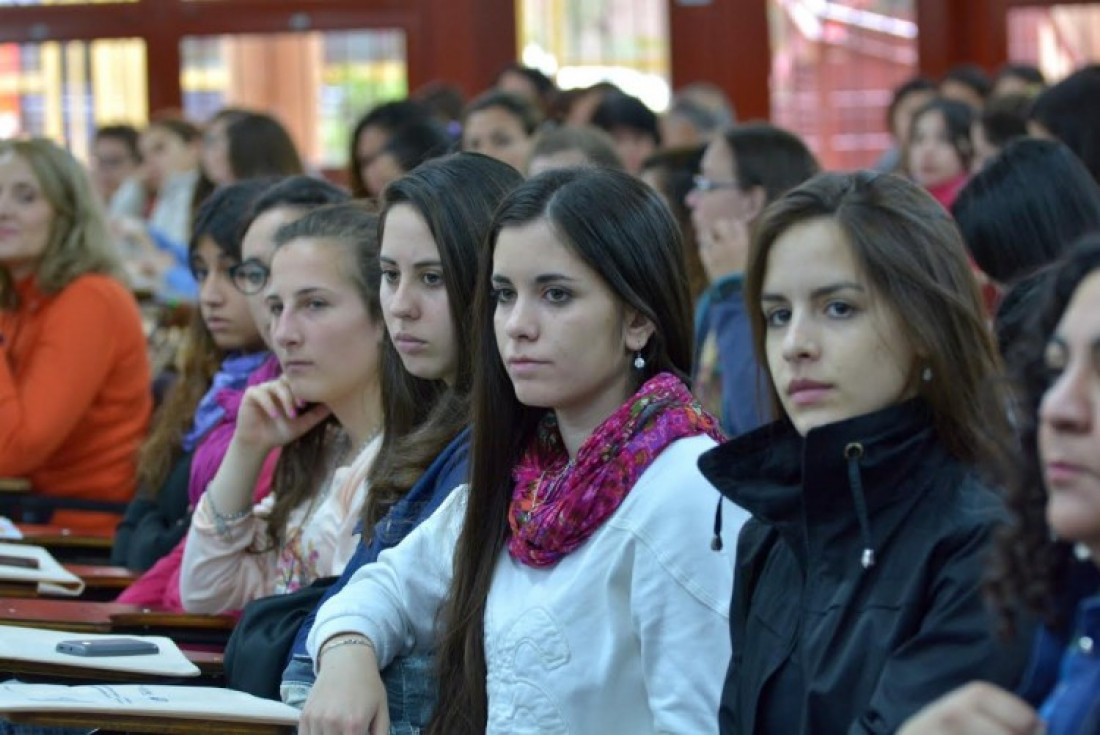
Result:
x=557 y=503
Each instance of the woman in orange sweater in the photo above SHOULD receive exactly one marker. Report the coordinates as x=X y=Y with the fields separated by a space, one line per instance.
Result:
x=75 y=391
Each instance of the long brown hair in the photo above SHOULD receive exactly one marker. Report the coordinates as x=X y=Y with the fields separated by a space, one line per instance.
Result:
x=78 y=241
x=351 y=229
x=913 y=256
x=623 y=230
x=456 y=196
x=219 y=220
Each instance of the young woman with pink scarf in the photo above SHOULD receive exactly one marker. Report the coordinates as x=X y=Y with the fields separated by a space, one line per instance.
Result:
x=571 y=587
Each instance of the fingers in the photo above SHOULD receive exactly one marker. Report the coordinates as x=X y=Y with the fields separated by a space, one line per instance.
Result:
x=275 y=398
x=381 y=724
x=975 y=709
x=1003 y=709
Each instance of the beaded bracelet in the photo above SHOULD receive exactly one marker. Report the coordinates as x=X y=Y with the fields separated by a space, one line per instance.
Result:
x=221 y=522
x=356 y=640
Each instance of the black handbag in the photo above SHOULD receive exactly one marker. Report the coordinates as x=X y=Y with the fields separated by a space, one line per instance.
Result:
x=259 y=648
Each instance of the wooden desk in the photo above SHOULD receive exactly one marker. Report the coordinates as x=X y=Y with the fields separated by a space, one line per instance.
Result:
x=183 y=628
x=101 y=583
x=107 y=617
x=107 y=724
x=63 y=538
x=66 y=545
x=210 y=663
x=14 y=485
x=75 y=615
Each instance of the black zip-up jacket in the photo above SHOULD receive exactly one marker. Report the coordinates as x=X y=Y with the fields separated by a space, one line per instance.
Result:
x=857 y=598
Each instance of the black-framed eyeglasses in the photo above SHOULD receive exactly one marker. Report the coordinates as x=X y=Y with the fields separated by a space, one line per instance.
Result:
x=703 y=184
x=250 y=276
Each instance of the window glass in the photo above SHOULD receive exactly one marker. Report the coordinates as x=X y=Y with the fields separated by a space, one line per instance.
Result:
x=1058 y=39
x=317 y=83
x=64 y=90
x=581 y=42
x=834 y=68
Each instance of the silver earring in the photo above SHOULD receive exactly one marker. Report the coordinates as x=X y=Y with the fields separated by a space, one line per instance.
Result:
x=639 y=361
x=926 y=375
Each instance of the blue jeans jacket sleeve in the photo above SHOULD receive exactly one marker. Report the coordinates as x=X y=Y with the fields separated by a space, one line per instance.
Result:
x=410 y=682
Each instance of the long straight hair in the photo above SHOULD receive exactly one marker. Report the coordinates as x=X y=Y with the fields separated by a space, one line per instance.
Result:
x=623 y=230
x=218 y=220
x=456 y=196
x=913 y=256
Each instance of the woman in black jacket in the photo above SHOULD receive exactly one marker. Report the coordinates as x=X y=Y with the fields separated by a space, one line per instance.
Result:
x=857 y=597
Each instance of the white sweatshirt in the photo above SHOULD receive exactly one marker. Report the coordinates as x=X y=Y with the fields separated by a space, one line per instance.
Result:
x=628 y=633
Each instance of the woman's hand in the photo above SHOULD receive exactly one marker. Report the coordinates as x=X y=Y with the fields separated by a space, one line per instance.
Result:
x=977 y=708
x=271 y=416
x=348 y=697
x=724 y=249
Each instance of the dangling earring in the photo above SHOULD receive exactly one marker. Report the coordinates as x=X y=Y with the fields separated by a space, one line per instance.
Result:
x=926 y=375
x=639 y=361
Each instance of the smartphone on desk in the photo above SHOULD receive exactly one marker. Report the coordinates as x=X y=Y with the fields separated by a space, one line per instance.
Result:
x=107 y=647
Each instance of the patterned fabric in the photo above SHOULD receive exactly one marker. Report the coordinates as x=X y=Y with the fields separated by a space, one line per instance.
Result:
x=708 y=378
x=232 y=375
x=557 y=503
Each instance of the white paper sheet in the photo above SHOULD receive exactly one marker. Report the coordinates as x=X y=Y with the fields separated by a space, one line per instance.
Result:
x=52 y=578
x=208 y=703
x=8 y=530
x=36 y=644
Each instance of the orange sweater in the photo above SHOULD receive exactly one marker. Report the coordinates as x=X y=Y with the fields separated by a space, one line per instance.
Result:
x=75 y=394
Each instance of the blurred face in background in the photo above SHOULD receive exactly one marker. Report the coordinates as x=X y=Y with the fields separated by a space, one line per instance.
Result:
x=112 y=163
x=166 y=154
x=25 y=217
x=497 y=133
x=933 y=159
x=215 y=153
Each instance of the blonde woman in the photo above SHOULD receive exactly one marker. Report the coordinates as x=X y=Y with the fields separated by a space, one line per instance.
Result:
x=75 y=392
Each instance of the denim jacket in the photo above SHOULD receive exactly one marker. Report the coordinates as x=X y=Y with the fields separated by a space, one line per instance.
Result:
x=410 y=682
x=727 y=379
x=1063 y=680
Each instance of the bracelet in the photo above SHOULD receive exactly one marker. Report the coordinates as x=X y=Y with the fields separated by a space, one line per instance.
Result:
x=221 y=522
x=354 y=640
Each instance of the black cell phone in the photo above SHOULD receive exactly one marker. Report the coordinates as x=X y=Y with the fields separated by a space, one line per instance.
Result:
x=108 y=647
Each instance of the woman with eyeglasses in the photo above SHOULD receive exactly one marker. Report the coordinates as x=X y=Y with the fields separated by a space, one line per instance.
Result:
x=274 y=205
x=742 y=171
x=223 y=348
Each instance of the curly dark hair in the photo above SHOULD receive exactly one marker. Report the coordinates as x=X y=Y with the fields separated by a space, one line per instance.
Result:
x=1029 y=566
